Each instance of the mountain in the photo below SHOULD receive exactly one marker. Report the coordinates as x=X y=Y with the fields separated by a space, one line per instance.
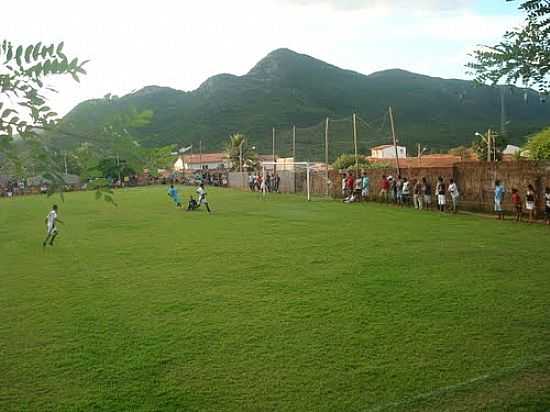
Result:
x=286 y=88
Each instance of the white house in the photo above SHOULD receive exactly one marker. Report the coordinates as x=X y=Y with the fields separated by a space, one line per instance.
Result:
x=205 y=161
x=387 y=151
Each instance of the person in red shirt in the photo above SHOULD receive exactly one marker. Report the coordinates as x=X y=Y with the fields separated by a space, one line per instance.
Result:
x=516 y=201
x=384 y=188
x=349 y=183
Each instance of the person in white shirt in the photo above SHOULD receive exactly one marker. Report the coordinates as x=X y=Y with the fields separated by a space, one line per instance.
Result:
x=453 y=191
x=51 y=221
x=202 y=197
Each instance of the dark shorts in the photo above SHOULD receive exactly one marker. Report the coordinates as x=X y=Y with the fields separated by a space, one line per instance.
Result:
x=547 y=212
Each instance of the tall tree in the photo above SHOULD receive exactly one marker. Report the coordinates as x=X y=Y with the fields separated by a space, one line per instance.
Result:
x=523 y=56
x=24 y=112
x=238 y=151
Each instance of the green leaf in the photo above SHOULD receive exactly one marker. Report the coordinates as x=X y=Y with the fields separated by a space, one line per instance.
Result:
x=7 y=112
x=59 y=49
x=36 y=51
x=9 y=54
x=28 y=53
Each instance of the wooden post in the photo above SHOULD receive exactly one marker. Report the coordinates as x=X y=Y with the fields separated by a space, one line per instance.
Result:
x=394 y=142
x=355 y=145
x=326 y=158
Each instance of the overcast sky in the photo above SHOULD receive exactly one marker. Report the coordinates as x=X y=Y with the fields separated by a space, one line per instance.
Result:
x=132 y=44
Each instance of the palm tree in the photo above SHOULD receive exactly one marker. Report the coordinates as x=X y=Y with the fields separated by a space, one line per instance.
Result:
x=240 y=153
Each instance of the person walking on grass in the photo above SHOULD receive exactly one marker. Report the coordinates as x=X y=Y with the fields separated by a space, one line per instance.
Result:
x=173 y=193
x=427 y=193
x=530 y=203
x=547 y=206
x=51 y=225
x=516 y=202
x=499 y=198
x=441 y=196
x=455 y=194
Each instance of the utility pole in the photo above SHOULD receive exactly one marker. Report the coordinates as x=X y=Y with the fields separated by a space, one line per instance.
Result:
x=241 y=157
x=489 y=139
x=294 y=143
x=274 y=166
x=502 y=110
x=200 y=155
x=355 y=144
x=326 y=157
x=394 y=142
x=65 y=159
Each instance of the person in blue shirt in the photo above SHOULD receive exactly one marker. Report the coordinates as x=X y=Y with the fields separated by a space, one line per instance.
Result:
x=365 y=186
x=173 y=193
x=499 y=198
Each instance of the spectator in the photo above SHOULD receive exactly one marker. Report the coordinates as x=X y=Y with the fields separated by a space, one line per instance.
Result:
x=547 y=206
x=417 y=195
x=441 y=198
x=399 y=190
x=365 y=186
x=516 y=201
x=384 y=188
x=455 y=194
x=499 y=198
x=350 y=181
x=427 y=193
x=530 y=203
x=405 y=192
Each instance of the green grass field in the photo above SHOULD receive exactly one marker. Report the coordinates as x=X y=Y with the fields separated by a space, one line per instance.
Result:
x=269 y=305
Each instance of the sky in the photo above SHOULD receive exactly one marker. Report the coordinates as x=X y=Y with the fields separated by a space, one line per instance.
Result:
x=179 y=44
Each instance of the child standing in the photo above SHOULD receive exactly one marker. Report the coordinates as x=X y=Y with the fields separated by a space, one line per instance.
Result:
x=516 y=201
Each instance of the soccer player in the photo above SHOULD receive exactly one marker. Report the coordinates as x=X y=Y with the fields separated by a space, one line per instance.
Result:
x=547 y=205
x=51 y=221
x=202 y=197
x=530 y=203
x=516 y=201
x=192 y=205
x=173 y=193
x=441 y=198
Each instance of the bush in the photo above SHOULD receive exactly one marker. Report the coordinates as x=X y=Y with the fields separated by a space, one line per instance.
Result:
x=539 y=145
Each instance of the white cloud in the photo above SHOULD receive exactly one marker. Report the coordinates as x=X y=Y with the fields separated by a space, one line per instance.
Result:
x=420 y=5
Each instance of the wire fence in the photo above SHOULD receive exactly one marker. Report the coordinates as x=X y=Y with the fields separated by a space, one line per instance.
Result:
x=334 y=137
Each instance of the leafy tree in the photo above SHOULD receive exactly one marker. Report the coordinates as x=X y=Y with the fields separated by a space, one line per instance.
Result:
x=539 y=145
x=24 y=113
x=523 y=55
x=236 y=147
x=481 y=148
x=347 y=161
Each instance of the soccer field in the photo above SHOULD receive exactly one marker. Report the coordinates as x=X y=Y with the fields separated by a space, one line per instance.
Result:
x=274 y=304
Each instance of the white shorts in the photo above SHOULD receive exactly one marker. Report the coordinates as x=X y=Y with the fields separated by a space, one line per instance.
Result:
x=441 y=199
x=365 y=192
x=498 y=205
x=52 y=230
x=203 y=201
x=530 y=205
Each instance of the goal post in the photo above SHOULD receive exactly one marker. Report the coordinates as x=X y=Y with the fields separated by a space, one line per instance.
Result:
x=307 y=166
